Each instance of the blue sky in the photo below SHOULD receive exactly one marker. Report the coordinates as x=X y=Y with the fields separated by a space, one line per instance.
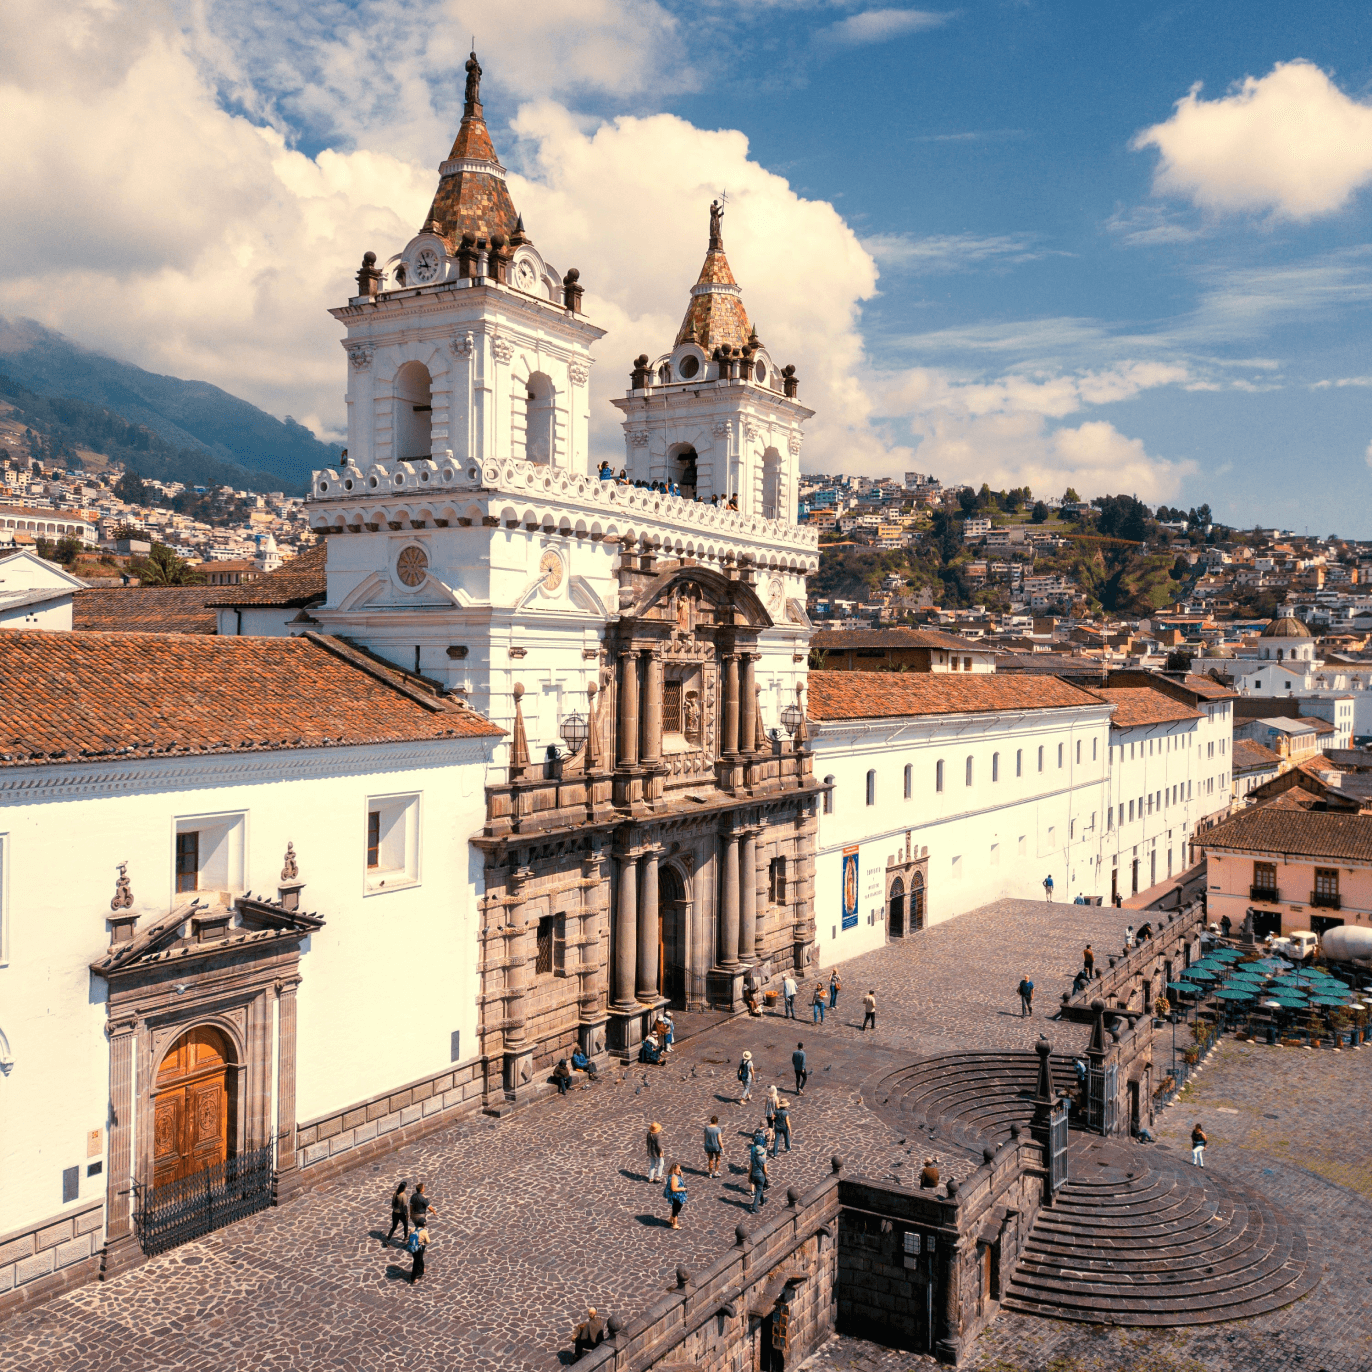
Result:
x=1020 y=242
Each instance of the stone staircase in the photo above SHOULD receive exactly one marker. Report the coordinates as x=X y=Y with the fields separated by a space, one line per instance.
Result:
x=1137 y=1237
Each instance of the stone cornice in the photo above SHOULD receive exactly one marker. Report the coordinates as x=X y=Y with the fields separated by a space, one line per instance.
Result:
x=47 y=782
x=489 y=301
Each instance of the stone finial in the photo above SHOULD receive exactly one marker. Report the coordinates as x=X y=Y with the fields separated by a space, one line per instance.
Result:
x=290 y=869
x=988 y=1154
x=836 y=1164
x=519 y=747
x=123 y=892
x=639 y=377
x=790 y=382
x=952 y=1188
x=792 y=1197
x=614 y=1324
x=1045 y=1083
x=1097 y=1044
x=572 y=290
x=683 y=1278
x=741 y=1236
x=368 y=276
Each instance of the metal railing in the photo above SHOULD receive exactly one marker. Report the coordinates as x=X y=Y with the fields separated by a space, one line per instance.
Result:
x=1267 y=894
x=193 y=1206
x=1326 y=900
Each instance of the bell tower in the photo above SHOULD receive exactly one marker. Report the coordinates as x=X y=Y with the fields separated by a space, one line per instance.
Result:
x=716 y=416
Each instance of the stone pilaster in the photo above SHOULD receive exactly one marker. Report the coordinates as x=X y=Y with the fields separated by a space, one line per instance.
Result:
x=121 y=1243
x=286 y=1171
x=747 y=728
x=729 y=743
x=628 y=709
x=624 y=953
x=747 y=922
x=651 y=750
x=649 y=936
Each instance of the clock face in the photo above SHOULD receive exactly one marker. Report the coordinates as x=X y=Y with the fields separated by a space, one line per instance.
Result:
x=426 y=265
x=526 y=278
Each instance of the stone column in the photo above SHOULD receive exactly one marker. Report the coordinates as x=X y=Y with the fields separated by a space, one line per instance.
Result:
x=120 y=1184
x=649 y=935
x=747 y=728
x=628 y=708
x=747 y=875
x=626 y=930
x=652 y=707
x=729 y=904
x=729 y=743
x=285 y=1087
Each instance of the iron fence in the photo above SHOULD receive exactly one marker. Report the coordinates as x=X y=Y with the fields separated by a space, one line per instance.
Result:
x=1101 y=1100
x=1057 y=1146
x=193 y=1206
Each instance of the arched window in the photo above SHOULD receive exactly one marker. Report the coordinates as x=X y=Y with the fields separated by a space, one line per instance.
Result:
x=773 y=485
x=1059 y=754
x=871 y=788
x=540 y=431
x=1079 y=750
x=909 y=781
x=681 y=468
x=413 y=412
x=967 y=778
x=829 y=795
x=1040 y=757
x=1019 y=762
x=938 y=775
x=995 y=766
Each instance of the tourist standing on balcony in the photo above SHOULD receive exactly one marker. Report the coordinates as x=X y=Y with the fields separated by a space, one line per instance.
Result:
x=1088 y=962
x=1128 y=937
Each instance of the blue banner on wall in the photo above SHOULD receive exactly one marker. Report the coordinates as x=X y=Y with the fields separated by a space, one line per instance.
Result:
x=850 y=887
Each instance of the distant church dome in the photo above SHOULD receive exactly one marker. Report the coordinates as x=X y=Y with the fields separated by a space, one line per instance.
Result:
x=1218 y=650
x=1288 y=626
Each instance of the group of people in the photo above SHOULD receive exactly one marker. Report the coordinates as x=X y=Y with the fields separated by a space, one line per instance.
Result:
x=407 y=1212
x=607 y=473
x=789 y=992
x=659 y=1042
x=564 y=1072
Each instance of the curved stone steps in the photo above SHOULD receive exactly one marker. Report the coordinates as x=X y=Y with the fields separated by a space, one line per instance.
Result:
x=1145 y=1240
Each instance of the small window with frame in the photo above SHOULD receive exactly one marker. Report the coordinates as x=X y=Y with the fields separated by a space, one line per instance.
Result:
x=671 y=707
x=391 y=847
x=552 y=946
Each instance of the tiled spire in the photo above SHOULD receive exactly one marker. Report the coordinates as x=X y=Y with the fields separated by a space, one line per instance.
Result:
x=715 y=315
x=472 y=196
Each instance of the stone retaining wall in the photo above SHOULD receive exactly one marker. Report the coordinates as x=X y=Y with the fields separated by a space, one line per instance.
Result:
x=45 y=1259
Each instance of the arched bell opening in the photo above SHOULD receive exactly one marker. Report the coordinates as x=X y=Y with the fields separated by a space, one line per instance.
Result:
x=540 y=437
x=413 y=412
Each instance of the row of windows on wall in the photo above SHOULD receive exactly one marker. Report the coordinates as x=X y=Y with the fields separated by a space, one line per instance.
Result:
x=1168 y=743
x=968 y=771
x=1154 y=802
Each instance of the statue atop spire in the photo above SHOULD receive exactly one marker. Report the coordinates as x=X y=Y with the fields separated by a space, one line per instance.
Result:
x=716 y=223
x=473 y=95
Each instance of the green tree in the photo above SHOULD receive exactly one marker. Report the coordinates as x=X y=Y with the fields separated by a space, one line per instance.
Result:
x=1122 y=516
x=162 y=567
x=1040 y=513
x=130 y=488
x=1071 y=494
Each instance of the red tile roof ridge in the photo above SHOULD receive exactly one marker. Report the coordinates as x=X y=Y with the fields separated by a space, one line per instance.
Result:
x=833 y=696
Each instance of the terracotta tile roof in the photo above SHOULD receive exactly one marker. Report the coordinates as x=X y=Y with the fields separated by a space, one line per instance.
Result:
x=883 y=695
x=297 y=582
x=146 y=609
x=1249 y=755
x=715 y=317
x=840 y=640
x=1331 y=835
x=74 y=697
x=1138 y=706
x=474 y=202
x=1207 y=688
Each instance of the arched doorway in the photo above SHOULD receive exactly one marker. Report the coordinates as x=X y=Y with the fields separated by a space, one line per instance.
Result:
x=194 y=1108
x=896 y=913
x=917 y=902
x=671 y=913
x=540 y=429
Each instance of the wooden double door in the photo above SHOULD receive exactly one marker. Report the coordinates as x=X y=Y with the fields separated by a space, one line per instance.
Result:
x=194 y=1115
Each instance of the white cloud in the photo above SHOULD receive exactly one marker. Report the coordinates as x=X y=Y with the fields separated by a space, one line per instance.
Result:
x=879 y=26
x=950 y=252
x=1340 y=382
x=1290 y=142
x=1368 y=455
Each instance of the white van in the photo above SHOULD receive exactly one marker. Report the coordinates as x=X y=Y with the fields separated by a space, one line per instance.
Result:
x=1297 y=946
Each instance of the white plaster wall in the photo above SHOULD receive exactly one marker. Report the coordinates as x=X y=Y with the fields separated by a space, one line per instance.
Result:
x=47 y=614
x=384 y=983
x=1007 y=835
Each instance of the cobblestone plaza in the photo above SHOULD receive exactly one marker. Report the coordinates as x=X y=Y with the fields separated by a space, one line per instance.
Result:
x=543 y=1212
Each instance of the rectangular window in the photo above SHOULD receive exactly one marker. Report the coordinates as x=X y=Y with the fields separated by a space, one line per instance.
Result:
x=1079 y=750
x=544 y=963
x=188 y=861
x=671 y=707
x=1110 y=818
x=1040 y=757
x=957 y=868
x=1327 y=882
x=1059 y=754
x=1265 y=876
x=392 y=843
x=909 y=781
x=995 y=855
x=1094 y=742
x=1052 y=837
x=776 y=880
x=1019 y=762
x=1131 y=811
x=995 y=766
x=938 y=775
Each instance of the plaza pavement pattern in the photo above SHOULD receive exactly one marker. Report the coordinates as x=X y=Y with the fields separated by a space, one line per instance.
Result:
x=543 y=1212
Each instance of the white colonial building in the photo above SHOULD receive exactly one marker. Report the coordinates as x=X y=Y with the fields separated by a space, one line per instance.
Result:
x=35 y=593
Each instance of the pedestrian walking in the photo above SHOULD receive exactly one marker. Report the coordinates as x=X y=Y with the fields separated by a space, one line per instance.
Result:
x=757 y=1172
x=782 y=1125
x=1048 y=887
x=1088 y=962
x=653 y=1143
x=713 y=1147
x=928 y=1177
x=420 y=1205
x=675 y=1191
x=802 y=1074
x=835 y=986
x=788 y=994
x=1198 y=1142
x=589 y=1334
x=746 y=1074
x=418 y=1246
x=869 y=1010
x=1026 y=996
x=400 y=1215
x=817 y=1003
x=1128 y=937
x=562 y=1075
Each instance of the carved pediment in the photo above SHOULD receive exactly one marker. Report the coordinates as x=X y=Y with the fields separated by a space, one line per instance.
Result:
x=697 y=597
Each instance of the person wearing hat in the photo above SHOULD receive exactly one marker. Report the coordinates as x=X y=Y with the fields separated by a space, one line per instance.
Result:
x=746 y=1073
x=653 y=1143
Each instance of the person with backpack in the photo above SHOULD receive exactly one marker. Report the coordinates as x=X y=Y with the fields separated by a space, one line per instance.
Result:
x=1048 y=888
x=417 y=1246
x=400 y=1215
x=798 y=1062
x=1026 y=996
x=757 y=1170
x=713 y=1147
x=817 y=1003
x=835 y=986
x=675 y=1191
x=746 y=1073
x=653 y=1143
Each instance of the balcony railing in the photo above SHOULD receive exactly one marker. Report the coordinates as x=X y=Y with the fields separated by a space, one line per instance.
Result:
x=1325 y=900
x=1264 y=893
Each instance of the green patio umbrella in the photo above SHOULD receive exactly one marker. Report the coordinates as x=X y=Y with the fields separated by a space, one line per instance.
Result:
x=1235 y=993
